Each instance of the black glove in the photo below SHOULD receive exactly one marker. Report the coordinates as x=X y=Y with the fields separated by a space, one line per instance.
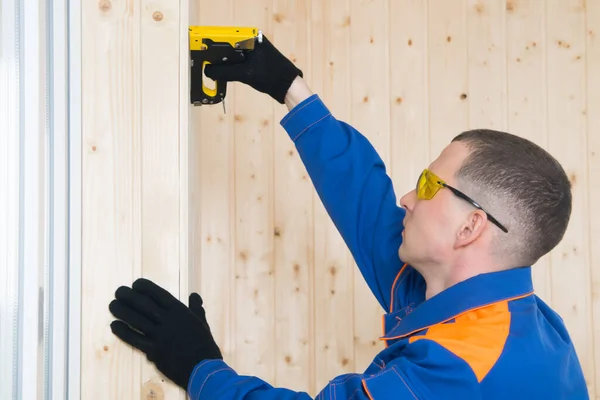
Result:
x=173 y=336
x=265 y=69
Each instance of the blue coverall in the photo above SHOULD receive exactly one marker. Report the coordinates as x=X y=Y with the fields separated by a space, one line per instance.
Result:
x=489 y=337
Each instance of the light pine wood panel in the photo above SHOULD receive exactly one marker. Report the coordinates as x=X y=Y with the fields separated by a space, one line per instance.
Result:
x=293 y=221
x=283 y=296
x=592 y=58
x=448 y=73
x=212 y=205
x=162 y=190
x=409 y=93
x=370 y=113
x=134 y=212
x=567 y=140
x=487 y=64
x=526 y=92
x=329 y=74
x=111 y=185
x=255 y=275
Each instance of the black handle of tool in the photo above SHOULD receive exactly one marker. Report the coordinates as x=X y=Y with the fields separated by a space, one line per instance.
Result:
x=215 y=53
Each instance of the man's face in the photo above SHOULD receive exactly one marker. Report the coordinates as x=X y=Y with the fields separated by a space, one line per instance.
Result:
x=431 y=226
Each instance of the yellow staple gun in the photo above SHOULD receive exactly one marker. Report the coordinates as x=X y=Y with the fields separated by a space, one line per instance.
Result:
x=216 y=45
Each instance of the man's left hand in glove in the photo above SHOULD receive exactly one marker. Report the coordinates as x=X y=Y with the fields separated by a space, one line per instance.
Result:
x=174 y=337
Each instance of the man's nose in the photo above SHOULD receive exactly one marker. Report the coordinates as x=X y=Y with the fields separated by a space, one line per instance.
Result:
x=408 y=200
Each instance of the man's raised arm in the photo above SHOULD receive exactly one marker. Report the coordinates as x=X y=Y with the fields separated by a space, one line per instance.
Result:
x=348 y=174
x=351 y=181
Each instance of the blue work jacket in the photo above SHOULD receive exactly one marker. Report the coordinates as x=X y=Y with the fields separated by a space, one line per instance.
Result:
x=489 y=337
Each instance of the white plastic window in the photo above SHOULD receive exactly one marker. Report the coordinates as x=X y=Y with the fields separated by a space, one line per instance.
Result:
x=39 y=199
x=9 y=196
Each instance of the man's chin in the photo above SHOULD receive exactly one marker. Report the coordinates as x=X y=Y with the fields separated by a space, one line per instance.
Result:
x=403 y=254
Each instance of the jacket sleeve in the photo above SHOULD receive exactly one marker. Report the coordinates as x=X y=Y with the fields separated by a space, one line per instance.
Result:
x=214 y=379
x=425 y=370
x=351 y=180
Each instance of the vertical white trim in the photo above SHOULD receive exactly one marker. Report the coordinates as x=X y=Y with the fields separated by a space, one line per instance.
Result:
x=9 y=195
x=75 y=168
x=33 y=128
x=58 y=302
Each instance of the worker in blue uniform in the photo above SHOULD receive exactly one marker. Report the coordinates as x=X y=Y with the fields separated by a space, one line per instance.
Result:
x=450 y=265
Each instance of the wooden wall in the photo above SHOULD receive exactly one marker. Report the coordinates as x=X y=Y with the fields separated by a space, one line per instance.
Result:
x=283 y=296
x=134 y=181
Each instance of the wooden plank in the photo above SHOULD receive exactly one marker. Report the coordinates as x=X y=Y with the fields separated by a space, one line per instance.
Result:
x=448 y=73
x=566 y=46
x=526 y=61
x=293 y=219
x=185 y=225
x=593 y=182
x=111 y=191
x=409 y=102
x=212 y=201
x=133 y=187
x=329 y=77
x=486 y=35
x=254 y=289
x=159 y=175
x=370 y=40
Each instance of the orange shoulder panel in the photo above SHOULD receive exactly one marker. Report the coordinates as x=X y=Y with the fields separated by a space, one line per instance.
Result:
x=477 y=336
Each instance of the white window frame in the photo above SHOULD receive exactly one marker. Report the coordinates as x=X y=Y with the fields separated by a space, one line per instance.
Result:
x=73 y=369
x=40 y=209
x=9 y=196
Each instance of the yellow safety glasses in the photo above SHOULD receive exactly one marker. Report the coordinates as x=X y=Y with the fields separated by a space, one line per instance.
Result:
x=429 y=184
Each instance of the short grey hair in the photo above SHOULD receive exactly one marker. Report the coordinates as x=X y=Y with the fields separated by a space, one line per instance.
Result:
x=521 y=185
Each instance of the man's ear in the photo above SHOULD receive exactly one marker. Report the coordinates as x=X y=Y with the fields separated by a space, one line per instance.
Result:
x=471 y=229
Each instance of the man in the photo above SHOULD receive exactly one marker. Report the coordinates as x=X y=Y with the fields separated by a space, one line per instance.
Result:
x=451 y=267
